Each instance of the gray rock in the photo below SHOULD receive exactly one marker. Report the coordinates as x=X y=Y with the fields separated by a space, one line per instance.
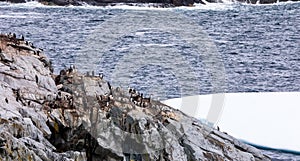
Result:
x=81 y=118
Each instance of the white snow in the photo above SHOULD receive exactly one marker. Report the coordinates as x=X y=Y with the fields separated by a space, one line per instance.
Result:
x=266 y=119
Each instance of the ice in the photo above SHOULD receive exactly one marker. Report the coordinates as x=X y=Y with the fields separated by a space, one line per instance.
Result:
x=267 y=119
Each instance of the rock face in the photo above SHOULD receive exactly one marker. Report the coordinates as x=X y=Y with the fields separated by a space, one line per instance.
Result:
x=79 y=117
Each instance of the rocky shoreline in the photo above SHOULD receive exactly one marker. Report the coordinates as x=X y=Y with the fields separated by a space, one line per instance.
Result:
x=153 y=3
x=74 y=116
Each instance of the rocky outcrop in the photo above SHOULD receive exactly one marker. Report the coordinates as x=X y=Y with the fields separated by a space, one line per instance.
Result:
x=72 y=116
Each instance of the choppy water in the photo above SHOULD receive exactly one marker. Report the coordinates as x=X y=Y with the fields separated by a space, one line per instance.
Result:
x=171 y=52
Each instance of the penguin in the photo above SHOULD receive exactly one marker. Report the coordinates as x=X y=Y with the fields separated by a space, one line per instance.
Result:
x=73 y=67
x=6 y=100
x=109 y=86
x=147 y=101
x=70 y=70
x=18 y=95
x=101 y=75
x=14 y=35
x=58 y=96
x=22 y=38
x=140 y=99
x=36 y=79
x=30 y=44
x=108 y=100
x=63 y=72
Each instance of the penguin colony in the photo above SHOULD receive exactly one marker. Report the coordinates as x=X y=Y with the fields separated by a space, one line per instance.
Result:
x=20 y=44
x=138 y=98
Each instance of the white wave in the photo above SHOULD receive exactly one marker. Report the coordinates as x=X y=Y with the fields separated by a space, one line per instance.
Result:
x=12 y=16
x=32 y=4
x=265 y=119
x=24 y=16
x=217 y=6
x=226 y=5
x=138 y=6
x=270 y=4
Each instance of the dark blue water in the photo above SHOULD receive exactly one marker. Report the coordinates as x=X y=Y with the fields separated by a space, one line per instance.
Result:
x=257 y=46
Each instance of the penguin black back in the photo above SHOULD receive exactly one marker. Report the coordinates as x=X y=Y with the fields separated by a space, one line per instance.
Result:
x=36 y=79
x=109 y=86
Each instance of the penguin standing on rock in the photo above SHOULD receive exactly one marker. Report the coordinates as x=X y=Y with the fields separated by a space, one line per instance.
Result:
x=109 y=86
x=101 y=75
x=22 y=38
x=70 y=70
x=36 y=79
x=18 y=95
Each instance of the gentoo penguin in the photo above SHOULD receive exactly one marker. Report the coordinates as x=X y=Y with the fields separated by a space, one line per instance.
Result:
x=70 y=70
x=58 y=96
x=22 y=38
x=109 y=86
x=6 y=100
x=18 y=95
x=146 y=101
x=10 y=35
x=101 y=75
x=141 y=99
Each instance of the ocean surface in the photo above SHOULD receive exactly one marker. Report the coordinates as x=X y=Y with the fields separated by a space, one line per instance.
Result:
x=170 y=53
